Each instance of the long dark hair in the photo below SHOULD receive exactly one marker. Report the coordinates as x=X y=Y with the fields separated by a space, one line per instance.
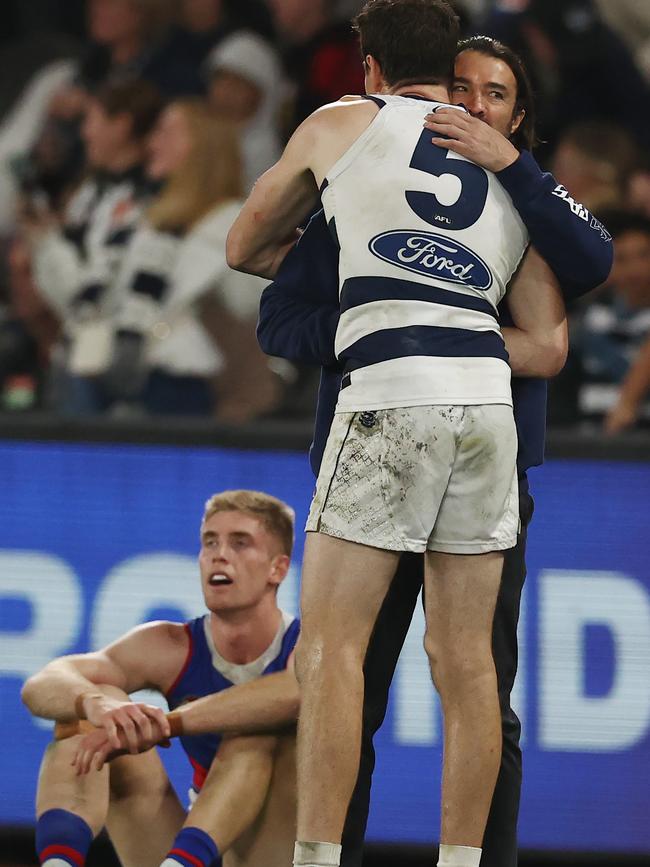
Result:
x=525 y=137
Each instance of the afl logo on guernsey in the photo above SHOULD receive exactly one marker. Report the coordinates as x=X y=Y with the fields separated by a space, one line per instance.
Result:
x=433 y=256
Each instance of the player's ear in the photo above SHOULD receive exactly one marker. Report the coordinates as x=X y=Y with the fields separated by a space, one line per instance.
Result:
x=279 y=568
x=375 y=81
x=517 y=120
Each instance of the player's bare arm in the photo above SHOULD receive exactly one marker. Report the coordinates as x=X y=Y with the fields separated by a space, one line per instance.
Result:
x=263 y=706
x=284 y=196
x=149 y=656
x=539 y=343
x=472 y=138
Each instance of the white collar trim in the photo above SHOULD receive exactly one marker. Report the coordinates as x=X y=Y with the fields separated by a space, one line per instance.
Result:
x=238 y=674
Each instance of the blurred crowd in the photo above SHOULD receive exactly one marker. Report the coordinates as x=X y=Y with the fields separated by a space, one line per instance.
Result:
x=131 y=131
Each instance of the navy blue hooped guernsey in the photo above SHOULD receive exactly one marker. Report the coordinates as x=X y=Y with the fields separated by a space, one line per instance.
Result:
x=428 y=243
x=205 y=672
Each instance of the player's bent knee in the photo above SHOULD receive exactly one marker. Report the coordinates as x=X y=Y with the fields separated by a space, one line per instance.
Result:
x=137 y=776
x=247 y=747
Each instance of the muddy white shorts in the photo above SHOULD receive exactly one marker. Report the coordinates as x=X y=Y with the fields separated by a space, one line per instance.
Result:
x=442 y=478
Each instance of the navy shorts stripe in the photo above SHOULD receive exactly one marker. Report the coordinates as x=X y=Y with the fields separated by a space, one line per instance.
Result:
x=364 y=290
x=429 y=340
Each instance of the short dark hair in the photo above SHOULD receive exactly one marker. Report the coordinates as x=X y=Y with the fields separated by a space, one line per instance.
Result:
x=414 y=41
x=525 y=136
x=137 y=98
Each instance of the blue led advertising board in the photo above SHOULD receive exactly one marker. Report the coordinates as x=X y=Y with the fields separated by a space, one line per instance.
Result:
x=94 y=539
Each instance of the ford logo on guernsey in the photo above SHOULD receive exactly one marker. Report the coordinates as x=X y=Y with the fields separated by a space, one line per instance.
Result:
x=432 y=255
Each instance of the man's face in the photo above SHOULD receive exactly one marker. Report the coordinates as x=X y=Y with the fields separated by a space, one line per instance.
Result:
x=240 y=561
x=170 y=145
x=103 y=135
x=234 y=97
x=487 y=87
x=110 y=21
x=289 y=14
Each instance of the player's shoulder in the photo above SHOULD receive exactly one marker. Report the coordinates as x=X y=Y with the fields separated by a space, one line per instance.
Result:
x=342 y=111
x=159 y=634
x=329 y=124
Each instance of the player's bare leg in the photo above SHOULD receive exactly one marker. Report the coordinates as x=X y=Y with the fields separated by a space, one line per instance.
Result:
x=59 y=788
x=460 y=594
x=235 y=789
x=343 y=587
x=132 y=797
x=269 y=841
x=144 y=813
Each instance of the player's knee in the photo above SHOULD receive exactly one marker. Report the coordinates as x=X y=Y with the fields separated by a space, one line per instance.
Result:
x=253 y=748
x=129 y=780
x=319 y=655
x=455 y=666
x=59 y=756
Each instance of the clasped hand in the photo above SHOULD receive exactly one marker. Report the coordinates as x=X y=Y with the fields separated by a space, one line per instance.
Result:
x=121 y=727
x=471 y=138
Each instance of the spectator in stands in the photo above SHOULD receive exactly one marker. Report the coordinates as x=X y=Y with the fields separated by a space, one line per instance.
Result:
x=75 y=261
x=28 y=333
x=630 y=19
x=633 y=392
x=638 y=194
x=167 y=352
x=321 y=54
x=126 y=41
x=595 y=161
x=245 y=88
x=204 y=23
x=614 y=327
x=581 y=69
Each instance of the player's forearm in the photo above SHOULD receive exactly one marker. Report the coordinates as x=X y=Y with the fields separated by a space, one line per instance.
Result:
x=281 y=200
x=258 y=256
x=540 y=355
x=264 y=705
x=52 y=692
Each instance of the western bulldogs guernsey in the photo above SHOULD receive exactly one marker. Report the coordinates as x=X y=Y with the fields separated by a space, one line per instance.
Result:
x=428 y=242
x=205 y=672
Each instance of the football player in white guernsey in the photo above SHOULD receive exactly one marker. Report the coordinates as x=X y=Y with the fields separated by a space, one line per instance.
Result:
x=421 y=456
x=237 y=726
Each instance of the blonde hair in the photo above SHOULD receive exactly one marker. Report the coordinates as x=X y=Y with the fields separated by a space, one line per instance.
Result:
x=211 y=175
x=275 y=515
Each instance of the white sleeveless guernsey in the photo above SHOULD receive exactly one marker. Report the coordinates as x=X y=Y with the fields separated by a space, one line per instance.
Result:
x=428 y=242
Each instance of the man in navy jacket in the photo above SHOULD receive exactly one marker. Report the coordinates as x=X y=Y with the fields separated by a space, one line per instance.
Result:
x=298 y=318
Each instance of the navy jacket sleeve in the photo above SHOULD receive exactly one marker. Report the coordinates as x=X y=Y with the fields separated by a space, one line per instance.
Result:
x=575 y=245
x=299 y=311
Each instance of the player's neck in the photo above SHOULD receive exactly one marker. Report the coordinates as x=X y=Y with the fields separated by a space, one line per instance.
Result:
x=243 y=636
x=434 y=92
